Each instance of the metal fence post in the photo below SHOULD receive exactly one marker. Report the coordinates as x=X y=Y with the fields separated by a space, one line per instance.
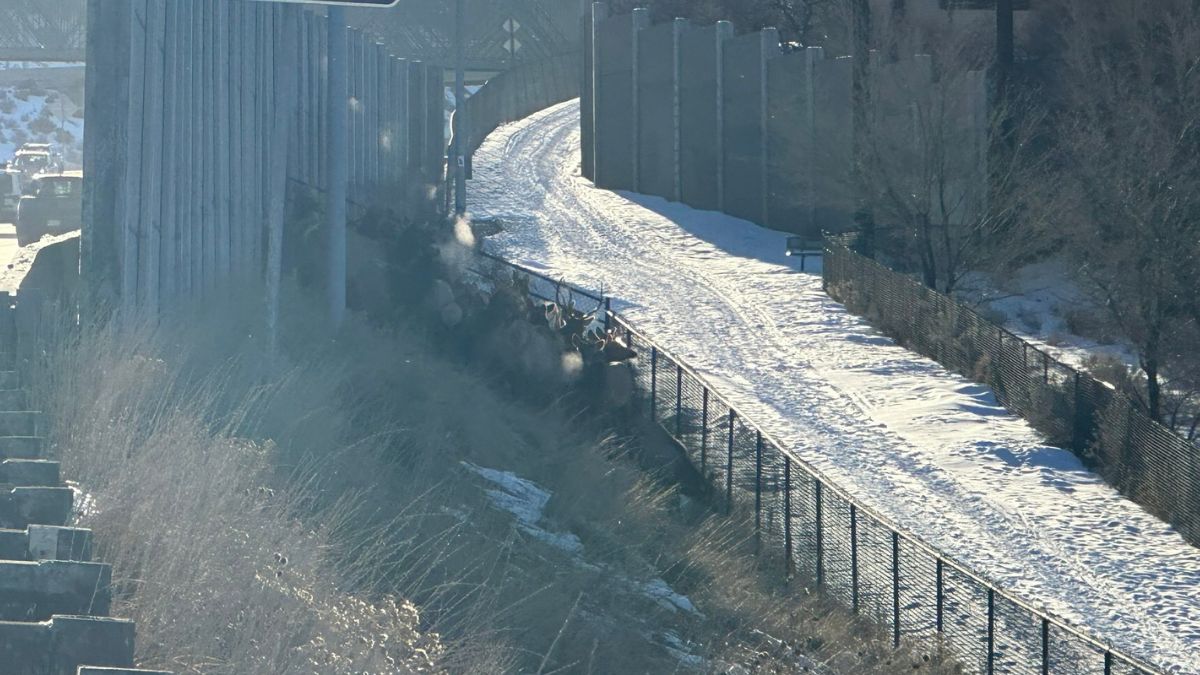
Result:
x=729 y=464
x=1045 y=646
x=757 y=483
x=704 y=436
x=941 y=596
x=820 y=536
x=679 y=400
x=654 y=384
x=895 y=589
x=854 y=558
x=1108 y=663
x=991 y=632
x=607 y=314
x=787 y=514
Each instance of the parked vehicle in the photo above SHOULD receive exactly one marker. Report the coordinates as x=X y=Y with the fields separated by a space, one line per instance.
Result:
x=32 y=162
x=51 y=204
x=10 y=194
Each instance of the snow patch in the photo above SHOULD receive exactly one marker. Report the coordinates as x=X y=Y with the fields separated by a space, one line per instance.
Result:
x=526 y=502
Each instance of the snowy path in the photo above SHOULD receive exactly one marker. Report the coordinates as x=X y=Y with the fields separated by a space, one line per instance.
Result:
x=928 y=448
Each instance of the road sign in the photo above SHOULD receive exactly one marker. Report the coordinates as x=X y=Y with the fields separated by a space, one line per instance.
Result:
x=512 y=25
x=513 y=45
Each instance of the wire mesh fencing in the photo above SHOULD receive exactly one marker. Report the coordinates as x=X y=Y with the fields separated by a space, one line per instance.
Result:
x=1143 y=459
x=825 y=536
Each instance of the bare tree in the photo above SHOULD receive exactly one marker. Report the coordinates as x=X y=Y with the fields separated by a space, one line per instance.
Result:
x=946 y=201
x=46 y=24
x=804 y=22
x=1127 y=136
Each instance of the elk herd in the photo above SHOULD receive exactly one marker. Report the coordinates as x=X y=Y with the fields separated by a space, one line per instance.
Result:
x=542 y=343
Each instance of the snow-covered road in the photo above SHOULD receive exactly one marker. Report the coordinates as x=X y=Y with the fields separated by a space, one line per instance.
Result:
x=930 y=449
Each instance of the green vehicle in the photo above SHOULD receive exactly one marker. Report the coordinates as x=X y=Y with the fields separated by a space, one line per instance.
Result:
x=52 y=204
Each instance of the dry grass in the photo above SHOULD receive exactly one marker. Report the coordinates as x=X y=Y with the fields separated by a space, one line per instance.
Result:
x=309 y=513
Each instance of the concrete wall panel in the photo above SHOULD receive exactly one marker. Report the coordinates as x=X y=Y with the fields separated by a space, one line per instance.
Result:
x=699 y=129
x=615 y=119
x=743 y=125
x=789 y=126
x=656 y=111
x=834 y=144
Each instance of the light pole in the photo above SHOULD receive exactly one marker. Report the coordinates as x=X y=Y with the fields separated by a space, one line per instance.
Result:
x=460 y=97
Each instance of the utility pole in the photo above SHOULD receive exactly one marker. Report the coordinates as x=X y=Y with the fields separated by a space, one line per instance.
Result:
x=460 y=96
x=339 y=168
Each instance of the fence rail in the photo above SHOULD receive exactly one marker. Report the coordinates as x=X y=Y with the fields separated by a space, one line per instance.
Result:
x=855 y=554
x=1143 y=459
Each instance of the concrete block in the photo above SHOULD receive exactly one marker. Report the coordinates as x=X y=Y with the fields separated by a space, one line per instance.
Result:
x=20 y=447
x=62 y=644
x=10 y=379
x=46 y=542
x=19 y=423
x=92 y=670
x=51 y=542
x=80 y=640
x=29 y=473
x=24 y=506
x=14 y=544
x=35 y=591
x=14 y=399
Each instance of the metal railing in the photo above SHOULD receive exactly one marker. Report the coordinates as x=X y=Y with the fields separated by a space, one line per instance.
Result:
x=853 y=553
x=1143 y=459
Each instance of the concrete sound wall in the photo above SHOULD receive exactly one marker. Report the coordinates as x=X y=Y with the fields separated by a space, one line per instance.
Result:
x=735 y=124
x=700 y=121
x=616 y=118
x=744 y=129
x=833 y=147
x=790 y=162
x=656 y=110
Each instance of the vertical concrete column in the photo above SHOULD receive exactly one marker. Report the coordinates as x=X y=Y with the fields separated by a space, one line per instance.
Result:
x=403 y=138
x=206 y=249
x=371 y=92
x=770 y=49
x=171 y=149
x=129 y=206
x=339 y=169
x=285 y=62
x=104 y=155
x=185 y=190
x=383 y=83
x=241 y=45
x=677 y=29
x=724 y=32
x=224 y=139
x=150 y=207
x=812 y=55
x=640 y=20
x=598 y=13
x=320 y=120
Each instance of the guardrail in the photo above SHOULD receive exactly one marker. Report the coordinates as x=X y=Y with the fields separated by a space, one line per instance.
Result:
x=853 y=553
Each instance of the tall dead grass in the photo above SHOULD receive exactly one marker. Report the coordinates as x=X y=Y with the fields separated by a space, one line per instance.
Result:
x=308 y=511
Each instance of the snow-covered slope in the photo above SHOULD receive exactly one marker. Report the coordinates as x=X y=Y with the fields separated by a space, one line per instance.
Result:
x=39 y=116
x=930 y=449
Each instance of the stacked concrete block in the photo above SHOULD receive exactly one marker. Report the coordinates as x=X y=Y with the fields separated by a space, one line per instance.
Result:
x=54 y=599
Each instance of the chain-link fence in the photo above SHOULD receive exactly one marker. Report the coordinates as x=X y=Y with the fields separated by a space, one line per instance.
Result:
x=854 y=554
x=1143 y=459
